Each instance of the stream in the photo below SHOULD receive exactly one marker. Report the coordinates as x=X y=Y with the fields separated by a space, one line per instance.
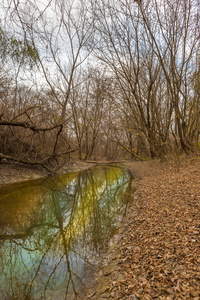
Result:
x=54 y=232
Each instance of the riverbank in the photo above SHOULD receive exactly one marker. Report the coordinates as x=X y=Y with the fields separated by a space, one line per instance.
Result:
x=156 y=254
x=12 y=173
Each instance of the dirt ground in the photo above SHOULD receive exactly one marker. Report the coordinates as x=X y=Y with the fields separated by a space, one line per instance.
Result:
x=156 y=253
x=12 y=173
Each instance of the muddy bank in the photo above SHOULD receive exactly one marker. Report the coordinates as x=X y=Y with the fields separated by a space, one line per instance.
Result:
x=15 y=172
x=12 y=173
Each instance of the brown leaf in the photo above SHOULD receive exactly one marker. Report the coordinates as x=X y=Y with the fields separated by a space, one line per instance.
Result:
x=144 y=281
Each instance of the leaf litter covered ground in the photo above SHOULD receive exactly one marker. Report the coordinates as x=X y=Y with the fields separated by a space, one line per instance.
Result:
x=156 y=254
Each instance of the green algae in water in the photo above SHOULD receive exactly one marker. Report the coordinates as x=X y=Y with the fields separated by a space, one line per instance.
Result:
x=54 y=232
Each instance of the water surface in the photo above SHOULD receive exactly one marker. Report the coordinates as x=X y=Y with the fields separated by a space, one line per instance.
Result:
x=54 y=232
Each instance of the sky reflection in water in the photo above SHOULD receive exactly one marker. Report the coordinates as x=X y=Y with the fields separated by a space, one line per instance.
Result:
x=54 y=232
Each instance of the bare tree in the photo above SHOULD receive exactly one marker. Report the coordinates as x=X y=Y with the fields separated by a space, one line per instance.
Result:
x=150 y=49
x=58 y=35
x=143 y=98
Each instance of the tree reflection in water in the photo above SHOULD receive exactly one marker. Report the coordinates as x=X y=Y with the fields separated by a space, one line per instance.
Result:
x=53 y=233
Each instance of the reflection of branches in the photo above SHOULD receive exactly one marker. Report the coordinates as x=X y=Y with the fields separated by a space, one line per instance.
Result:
x=28 y=232
x=83 y=258
x=79 y=193
x=39 y=266
x=52 y=273
x=66 y=245
x=81 y=211
x=103 y=220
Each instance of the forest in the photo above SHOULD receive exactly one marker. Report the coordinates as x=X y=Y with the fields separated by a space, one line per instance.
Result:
x=98 y=80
